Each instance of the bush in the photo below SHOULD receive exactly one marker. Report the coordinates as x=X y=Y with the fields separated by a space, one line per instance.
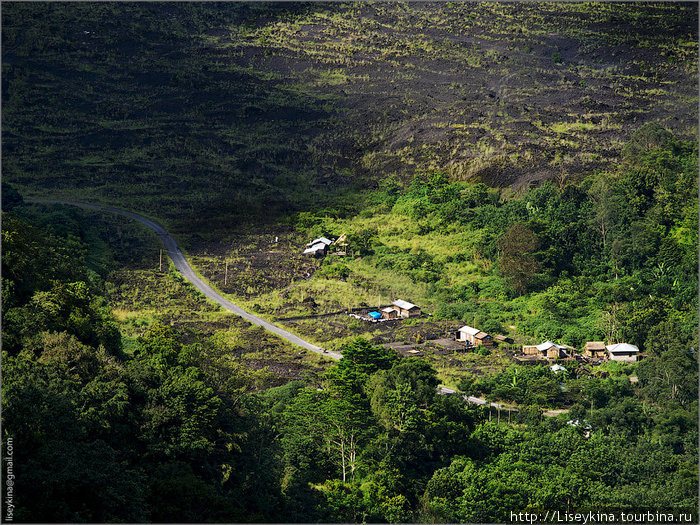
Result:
x=334 y=271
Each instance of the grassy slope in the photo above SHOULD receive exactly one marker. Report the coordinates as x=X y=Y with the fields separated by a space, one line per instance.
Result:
x=206 y=115
x=203 y=113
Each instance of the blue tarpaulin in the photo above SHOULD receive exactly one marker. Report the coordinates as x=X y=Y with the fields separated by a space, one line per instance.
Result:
x=375 y=315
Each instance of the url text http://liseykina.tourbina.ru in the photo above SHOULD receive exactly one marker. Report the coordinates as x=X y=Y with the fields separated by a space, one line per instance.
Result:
x=603 y=516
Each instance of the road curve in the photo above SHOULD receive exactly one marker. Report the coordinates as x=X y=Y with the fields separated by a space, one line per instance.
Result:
x=186 y=270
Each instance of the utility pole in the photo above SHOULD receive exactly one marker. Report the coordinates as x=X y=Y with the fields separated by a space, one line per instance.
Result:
x=160 y=266
x=226 y=273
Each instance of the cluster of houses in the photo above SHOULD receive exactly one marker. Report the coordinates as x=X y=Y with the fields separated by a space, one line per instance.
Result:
x=321 y=246
x=474 y=336
x=399 y=309
x=593 y=350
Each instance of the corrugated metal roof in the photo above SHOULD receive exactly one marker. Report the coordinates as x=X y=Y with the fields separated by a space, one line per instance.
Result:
x=389 y=309
x=622 y=347
x=315 y=248
x=323 y=240
x=404 y=304
x=481 y=335
x=547 y=345
x=469 y=330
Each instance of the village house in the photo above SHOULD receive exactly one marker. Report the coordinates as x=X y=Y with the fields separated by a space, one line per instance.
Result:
x=623 y=352
x=390 y=312
x=406 y=309
x=530 y=350
x=551 y=350
x=595 y=349
x=474 y=336
x=318 y=247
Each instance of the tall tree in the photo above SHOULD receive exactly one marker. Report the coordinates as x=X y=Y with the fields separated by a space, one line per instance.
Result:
x=517 y=262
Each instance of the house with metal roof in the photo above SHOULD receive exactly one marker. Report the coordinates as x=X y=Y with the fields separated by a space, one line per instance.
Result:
x=390 y=312
x=406 y=309
x=318 y=247
x=323 y=240
x=623 y=352
x=317 y=250
x=551 y=350
x=474 y=336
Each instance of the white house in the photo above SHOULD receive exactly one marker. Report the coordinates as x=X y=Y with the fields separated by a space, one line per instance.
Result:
x=474 y=336
x=623 y=352
x=318 y=246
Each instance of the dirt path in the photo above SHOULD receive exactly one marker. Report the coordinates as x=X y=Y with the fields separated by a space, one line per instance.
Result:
x=481 y=401
x=188 y=273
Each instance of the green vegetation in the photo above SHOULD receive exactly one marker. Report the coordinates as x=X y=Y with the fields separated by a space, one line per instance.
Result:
x=612 y=258
x=527 y=169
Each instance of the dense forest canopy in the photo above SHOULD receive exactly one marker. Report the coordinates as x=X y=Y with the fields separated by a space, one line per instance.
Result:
x=527 y=168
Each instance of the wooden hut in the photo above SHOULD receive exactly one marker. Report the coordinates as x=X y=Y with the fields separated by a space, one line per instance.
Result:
x=504 y=339
x=341 y=245
x=390 y=312
x=595 y=349
x=474 y=336
x=406 y=309
x=530 y=350
x=551 y=350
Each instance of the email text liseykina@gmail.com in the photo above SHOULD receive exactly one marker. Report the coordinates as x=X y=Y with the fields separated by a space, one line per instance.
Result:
x=9 y=480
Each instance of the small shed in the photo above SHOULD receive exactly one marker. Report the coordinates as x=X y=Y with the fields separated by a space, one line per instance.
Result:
x=504 y=339
x=390 y=312
x=551 y=350
x=406 y=309
x=557 y=368
x=375 y=315
x=623 y=352
x=341 y=245
x=467 y=333
x=595 y=349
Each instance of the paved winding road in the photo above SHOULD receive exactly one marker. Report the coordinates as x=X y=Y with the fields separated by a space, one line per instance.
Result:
x=186 y=270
